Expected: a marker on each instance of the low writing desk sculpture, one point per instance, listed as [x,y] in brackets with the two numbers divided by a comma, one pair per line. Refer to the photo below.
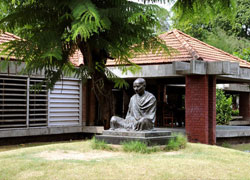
[141,110]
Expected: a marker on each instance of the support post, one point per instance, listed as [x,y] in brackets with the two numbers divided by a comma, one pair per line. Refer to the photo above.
[200,107]
[245,105]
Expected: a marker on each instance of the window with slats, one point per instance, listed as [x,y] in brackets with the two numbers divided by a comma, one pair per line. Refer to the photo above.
[38,106]
[13,101]
[25,102]
[64,107]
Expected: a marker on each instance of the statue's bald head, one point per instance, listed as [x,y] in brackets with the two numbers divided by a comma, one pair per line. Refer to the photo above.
[139,86]
[140,81]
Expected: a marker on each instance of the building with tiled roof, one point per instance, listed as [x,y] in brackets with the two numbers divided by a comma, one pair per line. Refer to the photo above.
[192,72]
[26,111]
[187,49]
[185,82]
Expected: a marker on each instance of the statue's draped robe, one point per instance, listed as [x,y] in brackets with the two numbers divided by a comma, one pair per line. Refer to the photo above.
[140,115]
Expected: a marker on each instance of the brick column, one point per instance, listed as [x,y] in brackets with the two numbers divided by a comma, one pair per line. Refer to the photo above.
[212,110]
[245,105]
[200,107]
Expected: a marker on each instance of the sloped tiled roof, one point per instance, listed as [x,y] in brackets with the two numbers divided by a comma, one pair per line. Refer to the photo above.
[188,48]
[76,59]
[6,37]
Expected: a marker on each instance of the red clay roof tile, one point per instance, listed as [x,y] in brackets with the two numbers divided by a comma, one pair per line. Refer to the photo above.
[188,49]
[6,37]
[76,59]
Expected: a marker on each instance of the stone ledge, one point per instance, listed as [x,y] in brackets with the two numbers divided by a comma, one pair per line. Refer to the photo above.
[137,133]
[148,137]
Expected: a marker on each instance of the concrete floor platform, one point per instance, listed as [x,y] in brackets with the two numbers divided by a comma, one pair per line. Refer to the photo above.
[224,133]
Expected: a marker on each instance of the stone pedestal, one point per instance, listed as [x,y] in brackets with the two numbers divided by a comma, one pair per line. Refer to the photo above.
[148,137]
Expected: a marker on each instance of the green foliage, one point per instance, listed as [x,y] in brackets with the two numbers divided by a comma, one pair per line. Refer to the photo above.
[226,145]
[100,145]
[205,9]
[178,142]
[235,112]
[229,43]
[114,29]
[229,33]
[138,147]
[53,30]
[194,27]
[223,107]
[4,65]
[243,54]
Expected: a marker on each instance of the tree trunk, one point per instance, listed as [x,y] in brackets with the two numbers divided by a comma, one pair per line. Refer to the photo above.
[103,92]
[95,60]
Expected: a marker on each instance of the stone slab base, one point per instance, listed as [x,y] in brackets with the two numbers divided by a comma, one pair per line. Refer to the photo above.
[148,137]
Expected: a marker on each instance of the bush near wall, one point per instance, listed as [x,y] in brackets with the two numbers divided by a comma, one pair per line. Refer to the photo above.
[223,108]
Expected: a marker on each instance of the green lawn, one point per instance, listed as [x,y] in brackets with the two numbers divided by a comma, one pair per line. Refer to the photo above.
[76,160]
[241,147]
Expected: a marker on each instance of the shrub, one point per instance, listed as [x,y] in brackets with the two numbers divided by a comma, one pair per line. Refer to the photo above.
[100,145]
[138,147]
[235,112]
[226,145]
[223,107]
[178,142]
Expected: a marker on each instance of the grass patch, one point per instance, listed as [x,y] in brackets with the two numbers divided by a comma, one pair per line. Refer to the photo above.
[226,145]
[100,145]
[196,161]
[138,147]
[179,142]
[241,147]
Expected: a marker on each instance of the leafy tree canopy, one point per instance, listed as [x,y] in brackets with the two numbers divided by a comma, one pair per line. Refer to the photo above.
[51,31]
[229,33]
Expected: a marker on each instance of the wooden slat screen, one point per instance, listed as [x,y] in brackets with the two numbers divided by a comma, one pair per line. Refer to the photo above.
[38,106]
[64,107]
[13,102]
[21,104]
[25,102]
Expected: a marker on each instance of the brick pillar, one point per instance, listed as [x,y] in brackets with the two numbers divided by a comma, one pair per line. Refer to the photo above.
[245,105]
[212,110]
[200,107]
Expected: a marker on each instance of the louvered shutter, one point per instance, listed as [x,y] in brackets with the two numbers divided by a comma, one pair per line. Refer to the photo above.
[64,103]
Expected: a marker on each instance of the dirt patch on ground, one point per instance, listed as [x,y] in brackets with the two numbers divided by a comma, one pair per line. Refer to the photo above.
[74,155]
[172,153]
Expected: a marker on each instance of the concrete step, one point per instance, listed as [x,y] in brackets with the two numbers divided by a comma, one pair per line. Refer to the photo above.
[156,138]
[239,123]
[136,133]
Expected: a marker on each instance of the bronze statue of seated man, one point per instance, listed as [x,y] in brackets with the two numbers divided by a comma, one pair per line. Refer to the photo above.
[141,110]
